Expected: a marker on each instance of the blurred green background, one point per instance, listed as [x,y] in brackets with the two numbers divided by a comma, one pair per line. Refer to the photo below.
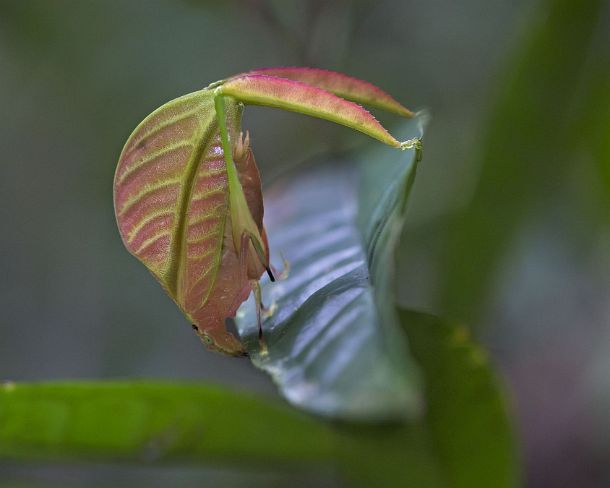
[507,228]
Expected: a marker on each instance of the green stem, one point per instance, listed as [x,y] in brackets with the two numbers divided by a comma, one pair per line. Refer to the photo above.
[219,104]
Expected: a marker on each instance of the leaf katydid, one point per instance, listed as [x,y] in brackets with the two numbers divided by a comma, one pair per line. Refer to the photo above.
[187,191]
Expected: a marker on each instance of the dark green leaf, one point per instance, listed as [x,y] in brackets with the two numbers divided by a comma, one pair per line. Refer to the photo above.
[467,412]
[525,151]
[334,345]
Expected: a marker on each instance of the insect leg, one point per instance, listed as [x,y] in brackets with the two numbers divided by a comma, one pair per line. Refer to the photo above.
[282,275]
[258,298]
[246,239]
[260,252]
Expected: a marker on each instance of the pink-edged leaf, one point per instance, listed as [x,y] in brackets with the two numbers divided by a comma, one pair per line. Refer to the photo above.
[300,97]
[171,203]
[193,214]
[340,84]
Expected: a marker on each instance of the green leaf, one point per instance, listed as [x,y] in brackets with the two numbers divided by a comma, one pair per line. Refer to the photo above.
[527,151]
[333,342]
[467,413]
[464,440]
[187,191]
[592,126]
[154,422]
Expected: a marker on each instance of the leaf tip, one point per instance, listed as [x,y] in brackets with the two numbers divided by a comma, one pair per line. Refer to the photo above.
[415,143]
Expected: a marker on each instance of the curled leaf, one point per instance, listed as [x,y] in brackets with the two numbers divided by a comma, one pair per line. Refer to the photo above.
[172,207]
[188,197]
[334,344]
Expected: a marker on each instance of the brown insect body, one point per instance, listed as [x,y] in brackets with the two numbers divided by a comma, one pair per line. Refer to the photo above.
[238,276]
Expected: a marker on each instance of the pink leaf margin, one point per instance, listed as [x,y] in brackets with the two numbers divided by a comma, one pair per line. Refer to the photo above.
[297,96]
[340,84]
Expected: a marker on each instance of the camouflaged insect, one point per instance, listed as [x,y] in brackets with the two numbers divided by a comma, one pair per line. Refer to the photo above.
[187,191]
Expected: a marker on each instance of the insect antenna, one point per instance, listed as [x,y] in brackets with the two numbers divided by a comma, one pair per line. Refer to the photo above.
[270,274]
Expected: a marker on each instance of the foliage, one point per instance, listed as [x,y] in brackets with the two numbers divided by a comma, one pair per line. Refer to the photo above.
[333,343]
[335,338]
[551,110]
[519,169]
[187,191]
[155,422]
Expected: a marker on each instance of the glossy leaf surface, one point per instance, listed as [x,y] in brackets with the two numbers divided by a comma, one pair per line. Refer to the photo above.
[334,344]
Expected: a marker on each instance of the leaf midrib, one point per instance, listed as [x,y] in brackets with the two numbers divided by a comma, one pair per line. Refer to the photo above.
[178,248]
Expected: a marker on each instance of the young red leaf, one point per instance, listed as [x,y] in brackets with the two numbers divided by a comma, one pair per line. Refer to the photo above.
[342,85]
[300,97]
[172,207]
[188,197]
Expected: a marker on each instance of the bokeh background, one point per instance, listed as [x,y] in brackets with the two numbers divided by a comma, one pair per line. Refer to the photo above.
[507,229]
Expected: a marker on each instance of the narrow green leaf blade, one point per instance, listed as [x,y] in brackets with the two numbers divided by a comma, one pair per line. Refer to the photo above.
[464,441]
[526,152]
[334,344]
[466,409]
[154,422]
